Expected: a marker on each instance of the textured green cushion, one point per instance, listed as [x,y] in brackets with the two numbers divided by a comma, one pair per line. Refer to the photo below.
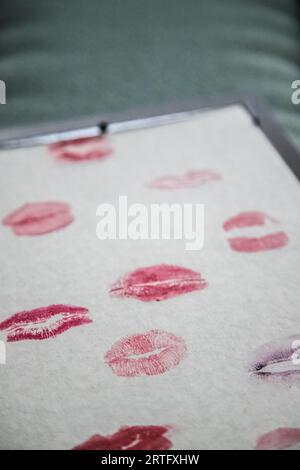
[70,58]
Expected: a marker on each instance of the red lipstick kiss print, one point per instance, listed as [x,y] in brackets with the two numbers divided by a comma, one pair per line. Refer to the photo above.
[279,439]
[38,218]
[130,438]
[151,353]
[78,150]
[191,179]
[44,323]
[254,244]
[159,282]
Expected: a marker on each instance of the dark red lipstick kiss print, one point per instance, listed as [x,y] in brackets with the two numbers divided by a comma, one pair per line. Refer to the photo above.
[270,241]
[151,353]
[279,439]
[130,438]
[43,323]
[159,282]
[79,150]
[39,218]
[191,179]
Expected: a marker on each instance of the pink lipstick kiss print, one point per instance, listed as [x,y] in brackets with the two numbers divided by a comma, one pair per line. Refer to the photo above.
[151,353]
[159,282]
[79,150]
[130,438]
[279,439]
[43,323]
[39,218]
[246,244]
[191,179]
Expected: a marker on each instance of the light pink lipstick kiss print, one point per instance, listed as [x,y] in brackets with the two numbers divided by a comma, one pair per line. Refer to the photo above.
[79,150]
[279,439]
[191,179]
[246,244]
[130,438]
[39,218]
[159,282]
[151,353]
[43,323]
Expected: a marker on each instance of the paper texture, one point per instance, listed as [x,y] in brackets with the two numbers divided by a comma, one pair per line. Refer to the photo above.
[57,393]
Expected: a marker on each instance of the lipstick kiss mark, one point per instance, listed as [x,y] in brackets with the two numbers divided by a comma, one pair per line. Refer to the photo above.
[191,179]
[254,244]
[247,219]
[44,323]
[279,439]
[130,438]
[151,353]
[278,361]
[158,282]
[78,150]
[38,218]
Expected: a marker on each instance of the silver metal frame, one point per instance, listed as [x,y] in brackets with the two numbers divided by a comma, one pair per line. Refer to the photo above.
[97,125]
[133,120]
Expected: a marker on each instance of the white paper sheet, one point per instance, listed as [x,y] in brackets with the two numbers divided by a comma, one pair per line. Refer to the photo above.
[56,393]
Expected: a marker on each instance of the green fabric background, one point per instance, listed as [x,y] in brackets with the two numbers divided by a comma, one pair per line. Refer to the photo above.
[69,58]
